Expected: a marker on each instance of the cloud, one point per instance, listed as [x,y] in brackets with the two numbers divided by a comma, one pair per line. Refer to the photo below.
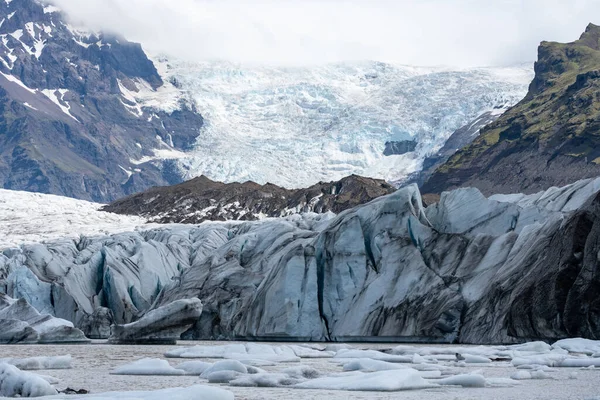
[298,32]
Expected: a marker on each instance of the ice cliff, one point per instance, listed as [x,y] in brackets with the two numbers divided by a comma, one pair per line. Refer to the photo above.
[468,269]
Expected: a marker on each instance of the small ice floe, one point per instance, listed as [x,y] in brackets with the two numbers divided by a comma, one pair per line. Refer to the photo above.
[17,383]
[524,375]
[265,380]
[474,359]
[464,380]
[373,354]
[225,365]
[193,367]
[578,345]
[370,365]
[247,351]
[148,366]
[580,362]
[404,379]
[37,363]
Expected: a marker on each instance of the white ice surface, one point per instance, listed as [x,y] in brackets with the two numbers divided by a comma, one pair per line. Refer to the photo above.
[147,366]
[334,118]
[33,217]
[17,383]
[37,363]
[405,379]
[578,345]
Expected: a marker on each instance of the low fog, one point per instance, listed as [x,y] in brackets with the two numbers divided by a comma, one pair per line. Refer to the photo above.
[460,33]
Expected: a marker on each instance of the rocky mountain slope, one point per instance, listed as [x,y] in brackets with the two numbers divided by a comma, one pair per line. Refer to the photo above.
[69,122]
[201,199]
[551,137]
[468,269]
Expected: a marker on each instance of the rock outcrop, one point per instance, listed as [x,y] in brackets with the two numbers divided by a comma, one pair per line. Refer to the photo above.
[202,199]
[550,138]
[70,120]
[163,325]
[468,269]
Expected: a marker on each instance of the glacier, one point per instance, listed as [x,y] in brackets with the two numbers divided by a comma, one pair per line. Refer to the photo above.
[35,217]
[468,269]
[304,125]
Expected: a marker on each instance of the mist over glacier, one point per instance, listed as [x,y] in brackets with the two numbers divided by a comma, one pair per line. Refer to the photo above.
[463,33]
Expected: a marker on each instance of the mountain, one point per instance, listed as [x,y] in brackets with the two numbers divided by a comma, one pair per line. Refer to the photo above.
[550,138]
[202,199]
[90,115]
[295,126]
[69,124]
[468,269]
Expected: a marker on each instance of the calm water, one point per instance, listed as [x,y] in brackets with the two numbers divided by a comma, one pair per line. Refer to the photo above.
[92,365]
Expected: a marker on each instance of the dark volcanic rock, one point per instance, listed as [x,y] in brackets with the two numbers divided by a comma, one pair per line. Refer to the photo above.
[550,138]
[202,199]
[68,124]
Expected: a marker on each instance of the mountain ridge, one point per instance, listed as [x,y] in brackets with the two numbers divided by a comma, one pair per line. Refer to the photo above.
[550,138]
[67,126]
[202,199]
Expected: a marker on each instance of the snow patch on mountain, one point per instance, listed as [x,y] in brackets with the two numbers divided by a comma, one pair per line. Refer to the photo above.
[297,126]
[33,217]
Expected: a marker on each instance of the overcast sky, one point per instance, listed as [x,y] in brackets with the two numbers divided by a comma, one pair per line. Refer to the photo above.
[294,32]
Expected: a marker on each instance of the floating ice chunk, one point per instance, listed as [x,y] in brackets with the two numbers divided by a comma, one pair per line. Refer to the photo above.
[540,375]
[225,365]
[373,354]
[534,347]
[405,379]
[306,352]
[473,359]
[241,352]
[580,362]
[147,366]
[370,365]
[464,380]
[417,359]
[578,345]
[265,380]
[521,375]
[206,351]
[35,363]
[193,367]
[17,383]
[162,325]
[551,360]
[223,376]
